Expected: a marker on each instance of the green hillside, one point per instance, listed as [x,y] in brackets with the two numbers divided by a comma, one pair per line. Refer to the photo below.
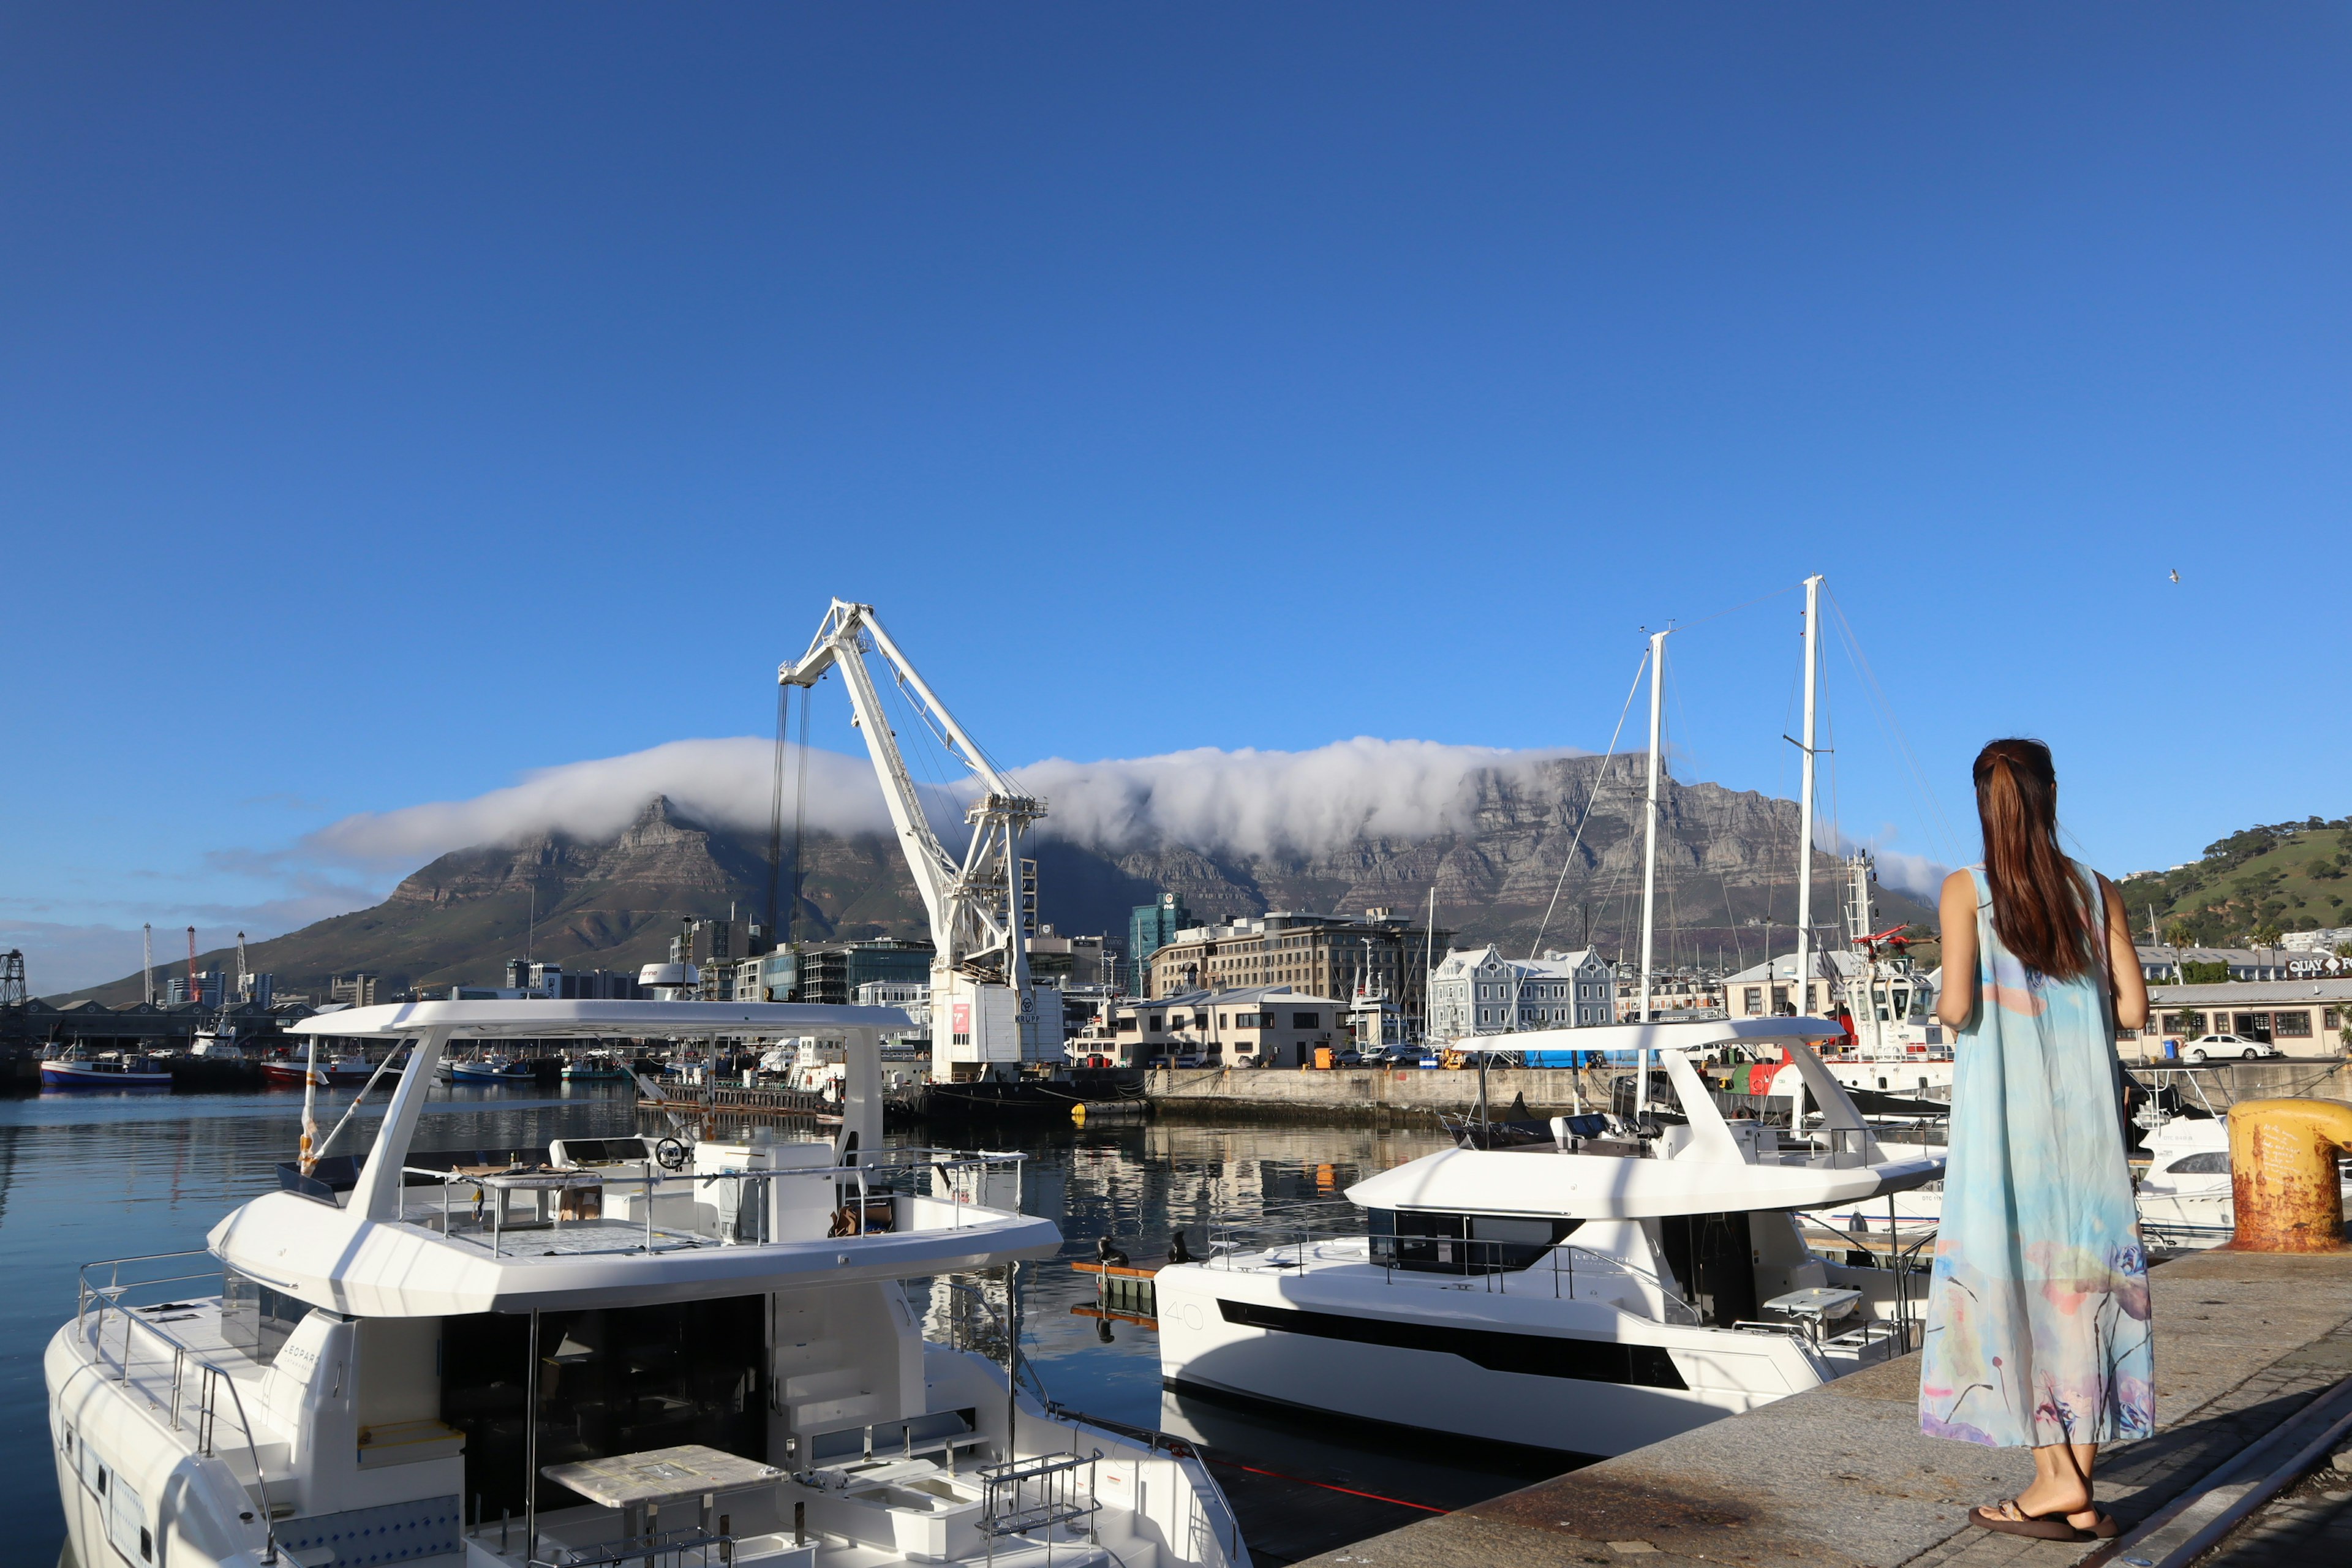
[2250,887]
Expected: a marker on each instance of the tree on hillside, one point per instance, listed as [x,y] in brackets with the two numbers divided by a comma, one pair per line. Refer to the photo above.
[2266,936]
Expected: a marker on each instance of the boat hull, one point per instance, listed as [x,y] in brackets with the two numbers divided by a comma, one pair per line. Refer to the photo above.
[77,1075]
[465,1072]
[1321,1365]
[290,1075]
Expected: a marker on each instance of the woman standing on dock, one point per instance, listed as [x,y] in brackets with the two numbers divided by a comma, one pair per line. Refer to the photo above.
[2038,1332]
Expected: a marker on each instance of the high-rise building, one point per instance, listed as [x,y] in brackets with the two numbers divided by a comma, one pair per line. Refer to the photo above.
[1151,928]
[357,988]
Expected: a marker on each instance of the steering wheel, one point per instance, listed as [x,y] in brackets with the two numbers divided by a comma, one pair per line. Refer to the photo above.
[670,1154]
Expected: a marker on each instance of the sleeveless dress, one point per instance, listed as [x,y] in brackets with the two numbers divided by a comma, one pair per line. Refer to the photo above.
[2038,1328]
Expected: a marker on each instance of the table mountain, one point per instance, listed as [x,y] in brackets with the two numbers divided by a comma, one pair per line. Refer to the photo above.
[1725,869]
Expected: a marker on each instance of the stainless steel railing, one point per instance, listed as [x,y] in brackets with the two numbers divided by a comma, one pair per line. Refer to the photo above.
[964,1175]
[202,1405]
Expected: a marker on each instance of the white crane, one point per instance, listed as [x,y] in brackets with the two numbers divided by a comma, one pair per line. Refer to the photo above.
[983,1009]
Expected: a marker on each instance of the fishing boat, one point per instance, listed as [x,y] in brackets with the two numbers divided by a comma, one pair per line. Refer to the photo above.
[596,1068]
[492,1069]
[75,1070]
[291,1072]
[598,1353]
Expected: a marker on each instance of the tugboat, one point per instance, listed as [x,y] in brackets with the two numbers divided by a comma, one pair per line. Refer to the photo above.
[601,1353]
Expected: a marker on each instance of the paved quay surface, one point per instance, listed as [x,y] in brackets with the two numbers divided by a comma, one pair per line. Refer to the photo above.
[1842,1476]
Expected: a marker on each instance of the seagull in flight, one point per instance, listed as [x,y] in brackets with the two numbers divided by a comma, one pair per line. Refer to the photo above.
[2176,574]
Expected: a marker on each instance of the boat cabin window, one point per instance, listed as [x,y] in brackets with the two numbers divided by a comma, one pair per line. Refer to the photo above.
[1433,1243]
[2210,1162]
[255,1319]
[617,1380]
[1712,1256]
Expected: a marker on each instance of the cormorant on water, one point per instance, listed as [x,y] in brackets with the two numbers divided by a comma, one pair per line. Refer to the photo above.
[1109,1255]
[1176,1251]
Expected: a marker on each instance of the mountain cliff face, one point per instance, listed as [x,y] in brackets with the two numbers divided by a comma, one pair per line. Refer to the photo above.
[1726,867]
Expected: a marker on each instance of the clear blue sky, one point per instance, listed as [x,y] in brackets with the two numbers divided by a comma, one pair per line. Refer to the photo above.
[393,401]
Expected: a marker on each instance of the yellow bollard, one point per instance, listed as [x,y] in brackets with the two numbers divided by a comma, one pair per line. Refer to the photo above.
[2282,1176]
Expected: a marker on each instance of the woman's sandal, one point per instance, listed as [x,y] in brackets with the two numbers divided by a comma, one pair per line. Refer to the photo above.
[2040,1527]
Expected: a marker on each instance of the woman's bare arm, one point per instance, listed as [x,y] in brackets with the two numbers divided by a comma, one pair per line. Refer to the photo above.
[1956,1003]
[2130,983]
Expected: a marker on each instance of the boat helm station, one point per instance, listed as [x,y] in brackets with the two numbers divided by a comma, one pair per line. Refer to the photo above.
[633,1350]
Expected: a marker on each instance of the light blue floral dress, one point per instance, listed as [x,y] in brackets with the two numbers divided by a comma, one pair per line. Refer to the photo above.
[2038,1326]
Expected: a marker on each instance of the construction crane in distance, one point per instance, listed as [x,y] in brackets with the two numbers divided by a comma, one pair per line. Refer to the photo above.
[985,1017]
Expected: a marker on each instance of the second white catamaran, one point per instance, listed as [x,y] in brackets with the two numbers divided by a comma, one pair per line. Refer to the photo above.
[1611,1285]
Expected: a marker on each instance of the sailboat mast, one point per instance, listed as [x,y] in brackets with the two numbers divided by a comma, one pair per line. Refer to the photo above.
[1650,823]
[1803,992]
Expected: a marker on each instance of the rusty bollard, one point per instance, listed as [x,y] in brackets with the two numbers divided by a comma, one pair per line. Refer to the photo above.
[2282,1178]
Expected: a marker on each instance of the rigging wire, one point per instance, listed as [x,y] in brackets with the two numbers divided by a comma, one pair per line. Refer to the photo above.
[1930,804]
[1609,762]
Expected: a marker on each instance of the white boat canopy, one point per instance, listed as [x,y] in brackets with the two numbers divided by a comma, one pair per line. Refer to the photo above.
[538,1018]
[1678,1035]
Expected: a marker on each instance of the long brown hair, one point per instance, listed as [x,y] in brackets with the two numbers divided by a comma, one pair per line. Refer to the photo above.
[2039,908]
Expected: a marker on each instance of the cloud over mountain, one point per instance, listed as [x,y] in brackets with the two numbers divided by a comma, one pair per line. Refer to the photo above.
[1244,802]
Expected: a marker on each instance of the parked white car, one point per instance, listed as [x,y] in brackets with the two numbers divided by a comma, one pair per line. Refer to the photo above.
[2205,1047]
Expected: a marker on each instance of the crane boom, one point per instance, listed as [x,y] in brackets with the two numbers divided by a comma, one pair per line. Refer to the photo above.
[983,1009]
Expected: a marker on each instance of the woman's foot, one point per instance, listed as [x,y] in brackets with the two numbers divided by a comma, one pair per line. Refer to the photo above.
[2066,1495]
[2024,1515]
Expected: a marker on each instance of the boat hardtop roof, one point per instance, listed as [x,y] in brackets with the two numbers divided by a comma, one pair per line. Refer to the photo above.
[534,1017]
[374,1253]
[1713,1167]
[1679,1035]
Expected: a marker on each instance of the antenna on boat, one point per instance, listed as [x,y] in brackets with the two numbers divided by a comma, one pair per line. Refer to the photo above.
[1805,798]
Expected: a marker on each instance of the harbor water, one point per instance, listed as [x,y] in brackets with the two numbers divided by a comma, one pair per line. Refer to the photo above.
[93,1174]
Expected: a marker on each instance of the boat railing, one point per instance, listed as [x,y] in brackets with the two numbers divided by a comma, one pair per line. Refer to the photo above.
[691,1548]
[1493,1267]
[194,1399]
[1044,1492]
[878,1182]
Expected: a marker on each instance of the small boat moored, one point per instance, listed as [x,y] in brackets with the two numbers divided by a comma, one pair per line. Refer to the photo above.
[109,1071]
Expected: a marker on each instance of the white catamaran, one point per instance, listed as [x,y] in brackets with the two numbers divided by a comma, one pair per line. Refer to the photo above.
[1599,1290]
[628,1350]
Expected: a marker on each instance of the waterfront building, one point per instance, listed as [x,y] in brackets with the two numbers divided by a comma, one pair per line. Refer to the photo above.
[2246,964]
[1331,955]
[2302,1020]
[550,981]
[1068,961]
[1150,928]
[1246,1027]
[832,974]
[1480,992]
[1770,990]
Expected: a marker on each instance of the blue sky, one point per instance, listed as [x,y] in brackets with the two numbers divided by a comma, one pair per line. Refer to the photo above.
[394,402]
